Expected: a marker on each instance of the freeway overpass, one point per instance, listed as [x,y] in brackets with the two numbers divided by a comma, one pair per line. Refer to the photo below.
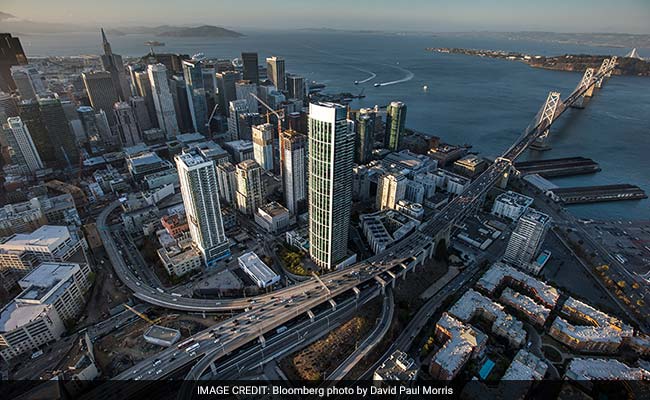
[273,310]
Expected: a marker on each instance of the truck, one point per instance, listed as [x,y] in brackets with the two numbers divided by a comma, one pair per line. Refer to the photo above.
[281,330]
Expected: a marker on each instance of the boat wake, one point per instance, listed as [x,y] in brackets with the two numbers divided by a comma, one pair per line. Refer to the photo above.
[368,79]
[408,77]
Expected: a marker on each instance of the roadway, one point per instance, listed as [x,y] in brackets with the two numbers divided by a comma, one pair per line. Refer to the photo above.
[272,310]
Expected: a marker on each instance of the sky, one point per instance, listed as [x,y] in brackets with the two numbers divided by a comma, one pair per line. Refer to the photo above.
[624,16]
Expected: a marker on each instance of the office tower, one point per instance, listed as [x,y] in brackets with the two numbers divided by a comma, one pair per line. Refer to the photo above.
[390,189]
[133,69]
[395,121]
[196,94]
[331,155]
[276,73]
[11,53]
[224,64]
[227,177]
[263,146]
[236,108]
[58,131]
[101,92]
[24,149]
[246,123]
[249,187]
[163,100]
[178,88]
[173,62]
[297,121]
[30,114]
[296,87]
[294,162]
[126,125]
[209,80]
[113,65]
[227,91]
[28,81]
[365,127]
[88,118]
[247,90]
[198,179]
[527,238]
[251,68]
[8,105]
[140,112]
[144,90]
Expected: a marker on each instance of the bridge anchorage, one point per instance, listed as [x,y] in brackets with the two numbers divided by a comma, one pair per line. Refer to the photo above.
[546,118]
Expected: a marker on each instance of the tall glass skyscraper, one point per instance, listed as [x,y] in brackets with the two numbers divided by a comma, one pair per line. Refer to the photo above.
[199,188]
[331,156]
[294,148]
[193,75]
[395,121]
[163,100]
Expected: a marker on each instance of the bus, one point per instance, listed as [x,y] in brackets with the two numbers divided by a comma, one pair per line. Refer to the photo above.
[185,343]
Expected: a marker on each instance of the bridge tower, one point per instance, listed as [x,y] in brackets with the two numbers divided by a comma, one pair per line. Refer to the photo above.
[545,120]
[503,181]
[602,71]
[612,64]
[585,88]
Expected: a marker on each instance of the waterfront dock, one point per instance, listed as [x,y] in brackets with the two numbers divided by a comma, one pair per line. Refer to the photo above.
[558,167]
[596,194]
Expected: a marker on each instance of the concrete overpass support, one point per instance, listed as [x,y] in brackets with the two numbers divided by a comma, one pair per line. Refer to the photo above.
[356,291]
[333,303]
[382,283]
[311,315]
[405,269]
[262,341]
[213,369]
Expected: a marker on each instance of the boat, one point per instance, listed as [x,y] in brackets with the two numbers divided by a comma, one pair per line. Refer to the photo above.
[377,84]
[425,88]
[356,82]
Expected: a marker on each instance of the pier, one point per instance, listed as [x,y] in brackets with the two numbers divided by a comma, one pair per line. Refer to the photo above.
[596,194]
[558,167]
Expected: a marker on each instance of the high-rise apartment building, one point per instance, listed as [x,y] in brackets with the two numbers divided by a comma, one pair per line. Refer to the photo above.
[294,166]
[236,108]
[249,187]
[193,74]
[115,67]
[163,101]
[390,190]
[331,156]
[101,92]
[126,125]
[365,127]
[24,150]
[227,177]
[276,73]
[251,69]
[395,123]
[11,53]
[263,145]
[527,238]
[199,188]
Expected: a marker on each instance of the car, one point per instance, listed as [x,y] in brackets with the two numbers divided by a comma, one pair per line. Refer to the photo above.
[159,372]
[156,362]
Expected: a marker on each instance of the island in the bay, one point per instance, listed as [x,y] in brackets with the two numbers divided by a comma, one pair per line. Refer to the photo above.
[209,31]
[633,65]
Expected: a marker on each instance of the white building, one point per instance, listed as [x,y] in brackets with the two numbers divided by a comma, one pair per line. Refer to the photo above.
[261,274]
[511,205]
[53,294]
[227,179]
[246,90]
[331,156]
[249,194]
[235,109]
[294,161]
[390,190]
[273,217]
[23,148]
[263,145]
[163,100]
[527,238]
[199,189]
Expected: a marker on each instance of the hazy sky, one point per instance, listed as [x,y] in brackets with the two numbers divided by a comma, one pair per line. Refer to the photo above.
[632,16]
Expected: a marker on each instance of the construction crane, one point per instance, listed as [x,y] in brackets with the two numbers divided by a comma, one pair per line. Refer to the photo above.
[141,315]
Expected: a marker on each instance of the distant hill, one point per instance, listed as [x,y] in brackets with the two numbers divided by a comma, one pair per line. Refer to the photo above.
[201,31]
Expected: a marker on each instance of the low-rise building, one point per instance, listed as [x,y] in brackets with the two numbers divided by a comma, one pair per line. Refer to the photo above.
[21,217]
[145,163]
[525,367]
[53,294]
[470,166]
[298,238]
[260,273]
[535,312]
[176,225]
[180,257]
[273,217]
[161,336]
[474,304]
[413,210]
[461,342]
[501,274]
[383,228]
[600,332]
[590,369]
[511,205]
[398,367]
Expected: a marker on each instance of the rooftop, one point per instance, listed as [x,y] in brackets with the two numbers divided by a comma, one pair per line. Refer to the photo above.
[525,367]
[603,369]
[47,237]
[463,339]
[499,273]
[397,367]
[514,199]
[274,209]
[256,266]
